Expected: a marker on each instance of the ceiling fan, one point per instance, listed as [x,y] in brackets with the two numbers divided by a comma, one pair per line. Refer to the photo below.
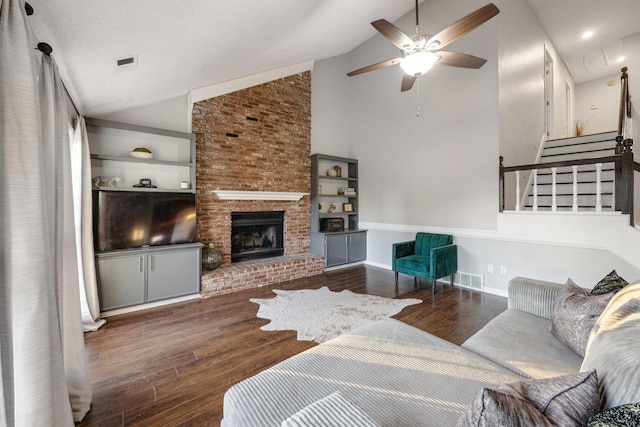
[421,51]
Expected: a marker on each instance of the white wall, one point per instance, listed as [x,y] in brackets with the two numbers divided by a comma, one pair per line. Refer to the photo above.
[598,103]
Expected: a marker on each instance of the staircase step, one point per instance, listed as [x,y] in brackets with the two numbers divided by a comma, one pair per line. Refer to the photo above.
[574,155]
[581,147]
[611,135]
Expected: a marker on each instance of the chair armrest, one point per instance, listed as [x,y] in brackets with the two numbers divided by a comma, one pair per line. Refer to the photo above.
[533,296]
[444,260]
[402,249]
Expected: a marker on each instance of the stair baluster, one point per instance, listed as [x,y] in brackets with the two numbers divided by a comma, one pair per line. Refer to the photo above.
[517,190]
[535,190]
[598,187]
[574,207]
[554,201]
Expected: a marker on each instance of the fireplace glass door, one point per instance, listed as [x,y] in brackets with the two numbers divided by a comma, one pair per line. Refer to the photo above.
[256,235]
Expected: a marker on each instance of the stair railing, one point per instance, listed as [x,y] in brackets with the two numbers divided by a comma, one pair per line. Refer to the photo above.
[624,167]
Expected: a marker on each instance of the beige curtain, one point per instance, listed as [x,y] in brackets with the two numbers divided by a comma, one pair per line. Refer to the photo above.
[44,376]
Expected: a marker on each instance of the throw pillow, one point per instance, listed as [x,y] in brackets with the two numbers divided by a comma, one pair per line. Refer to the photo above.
[614,347]
[568,400]
[620,416]
[574,314]
[333,410]
[612,282]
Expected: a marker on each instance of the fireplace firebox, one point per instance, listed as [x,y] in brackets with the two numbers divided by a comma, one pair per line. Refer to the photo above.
[256,235]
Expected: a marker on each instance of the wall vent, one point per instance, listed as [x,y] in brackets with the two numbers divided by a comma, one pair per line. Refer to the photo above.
[127,63]
[468,280]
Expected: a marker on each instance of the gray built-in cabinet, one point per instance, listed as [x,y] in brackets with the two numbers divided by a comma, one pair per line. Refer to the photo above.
[350,244]
[129,277]
[136,276]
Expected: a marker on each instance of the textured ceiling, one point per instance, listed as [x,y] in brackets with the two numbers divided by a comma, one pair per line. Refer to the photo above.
[180,46]
[183,45]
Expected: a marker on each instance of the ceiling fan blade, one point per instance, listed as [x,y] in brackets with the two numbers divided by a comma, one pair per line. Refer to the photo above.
[407,82]
[373,67]
[393,33]
[464,26]
[460,60]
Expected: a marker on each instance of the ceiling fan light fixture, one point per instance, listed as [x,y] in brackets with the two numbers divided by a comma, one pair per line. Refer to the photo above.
[418,63]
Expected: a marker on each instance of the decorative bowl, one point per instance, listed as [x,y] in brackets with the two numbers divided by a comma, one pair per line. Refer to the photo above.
[141,153]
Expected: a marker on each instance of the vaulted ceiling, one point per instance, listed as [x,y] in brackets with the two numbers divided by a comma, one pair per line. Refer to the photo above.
[179,46]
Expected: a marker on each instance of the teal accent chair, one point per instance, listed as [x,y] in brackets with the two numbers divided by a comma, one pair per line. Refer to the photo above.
[429,256]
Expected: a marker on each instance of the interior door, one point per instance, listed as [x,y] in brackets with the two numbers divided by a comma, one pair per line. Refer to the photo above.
[548,93]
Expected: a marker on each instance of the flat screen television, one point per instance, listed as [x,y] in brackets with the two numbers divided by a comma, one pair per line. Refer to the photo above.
[130,219]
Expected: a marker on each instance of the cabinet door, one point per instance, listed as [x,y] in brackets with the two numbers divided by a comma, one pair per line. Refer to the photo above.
[172,274]
[335,250]
[120,281]
[357,244]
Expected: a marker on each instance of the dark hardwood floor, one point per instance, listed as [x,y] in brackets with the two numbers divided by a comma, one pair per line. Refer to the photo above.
[171,366]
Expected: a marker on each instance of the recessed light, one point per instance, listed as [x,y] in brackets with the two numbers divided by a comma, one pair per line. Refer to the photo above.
[587,34]
[620,59]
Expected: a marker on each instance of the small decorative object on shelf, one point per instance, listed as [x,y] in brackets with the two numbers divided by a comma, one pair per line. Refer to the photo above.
[332,172]
[141,153]
[338,170]
[211,257]
[347,207]
[144,183]
[333,207]
[105,181]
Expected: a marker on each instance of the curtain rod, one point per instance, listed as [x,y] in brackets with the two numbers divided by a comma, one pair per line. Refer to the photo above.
[48,50]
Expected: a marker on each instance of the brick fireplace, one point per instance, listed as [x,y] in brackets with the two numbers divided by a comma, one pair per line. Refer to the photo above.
[255,140]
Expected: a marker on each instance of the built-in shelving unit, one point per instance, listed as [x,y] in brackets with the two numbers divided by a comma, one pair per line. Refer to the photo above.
[173,156]
[134,276]
[346,245]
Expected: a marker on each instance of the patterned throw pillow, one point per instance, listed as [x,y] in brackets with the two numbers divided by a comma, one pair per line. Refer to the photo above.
[574,314]
[568,400]
[612,282]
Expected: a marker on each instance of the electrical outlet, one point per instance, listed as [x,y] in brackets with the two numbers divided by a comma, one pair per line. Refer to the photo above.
[503,270]
[490,268]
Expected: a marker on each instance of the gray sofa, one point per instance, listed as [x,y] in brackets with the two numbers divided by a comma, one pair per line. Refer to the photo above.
[401,376]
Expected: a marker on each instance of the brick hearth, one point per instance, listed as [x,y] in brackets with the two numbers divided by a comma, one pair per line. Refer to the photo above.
[257,139]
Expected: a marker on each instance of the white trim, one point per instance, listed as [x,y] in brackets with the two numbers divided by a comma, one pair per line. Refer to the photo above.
[149,305]
[494,234]
[378,264]
[258,195]
[495,291]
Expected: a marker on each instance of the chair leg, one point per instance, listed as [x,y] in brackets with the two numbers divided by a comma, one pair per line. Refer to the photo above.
[415,282]
[452,280]
[433,286]
[396,279]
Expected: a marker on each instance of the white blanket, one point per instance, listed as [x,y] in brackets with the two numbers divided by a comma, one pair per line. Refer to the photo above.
[397,374]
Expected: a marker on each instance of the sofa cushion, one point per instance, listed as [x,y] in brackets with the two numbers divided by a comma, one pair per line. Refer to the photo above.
[574,314]
[612,282]
[333,410]
[613,349]
[568,400]
[523,343]
[414,262]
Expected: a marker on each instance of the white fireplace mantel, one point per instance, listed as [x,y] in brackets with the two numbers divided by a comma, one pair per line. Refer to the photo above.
[258,195]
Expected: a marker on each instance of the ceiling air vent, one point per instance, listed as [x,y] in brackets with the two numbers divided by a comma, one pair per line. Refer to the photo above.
[127,63]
